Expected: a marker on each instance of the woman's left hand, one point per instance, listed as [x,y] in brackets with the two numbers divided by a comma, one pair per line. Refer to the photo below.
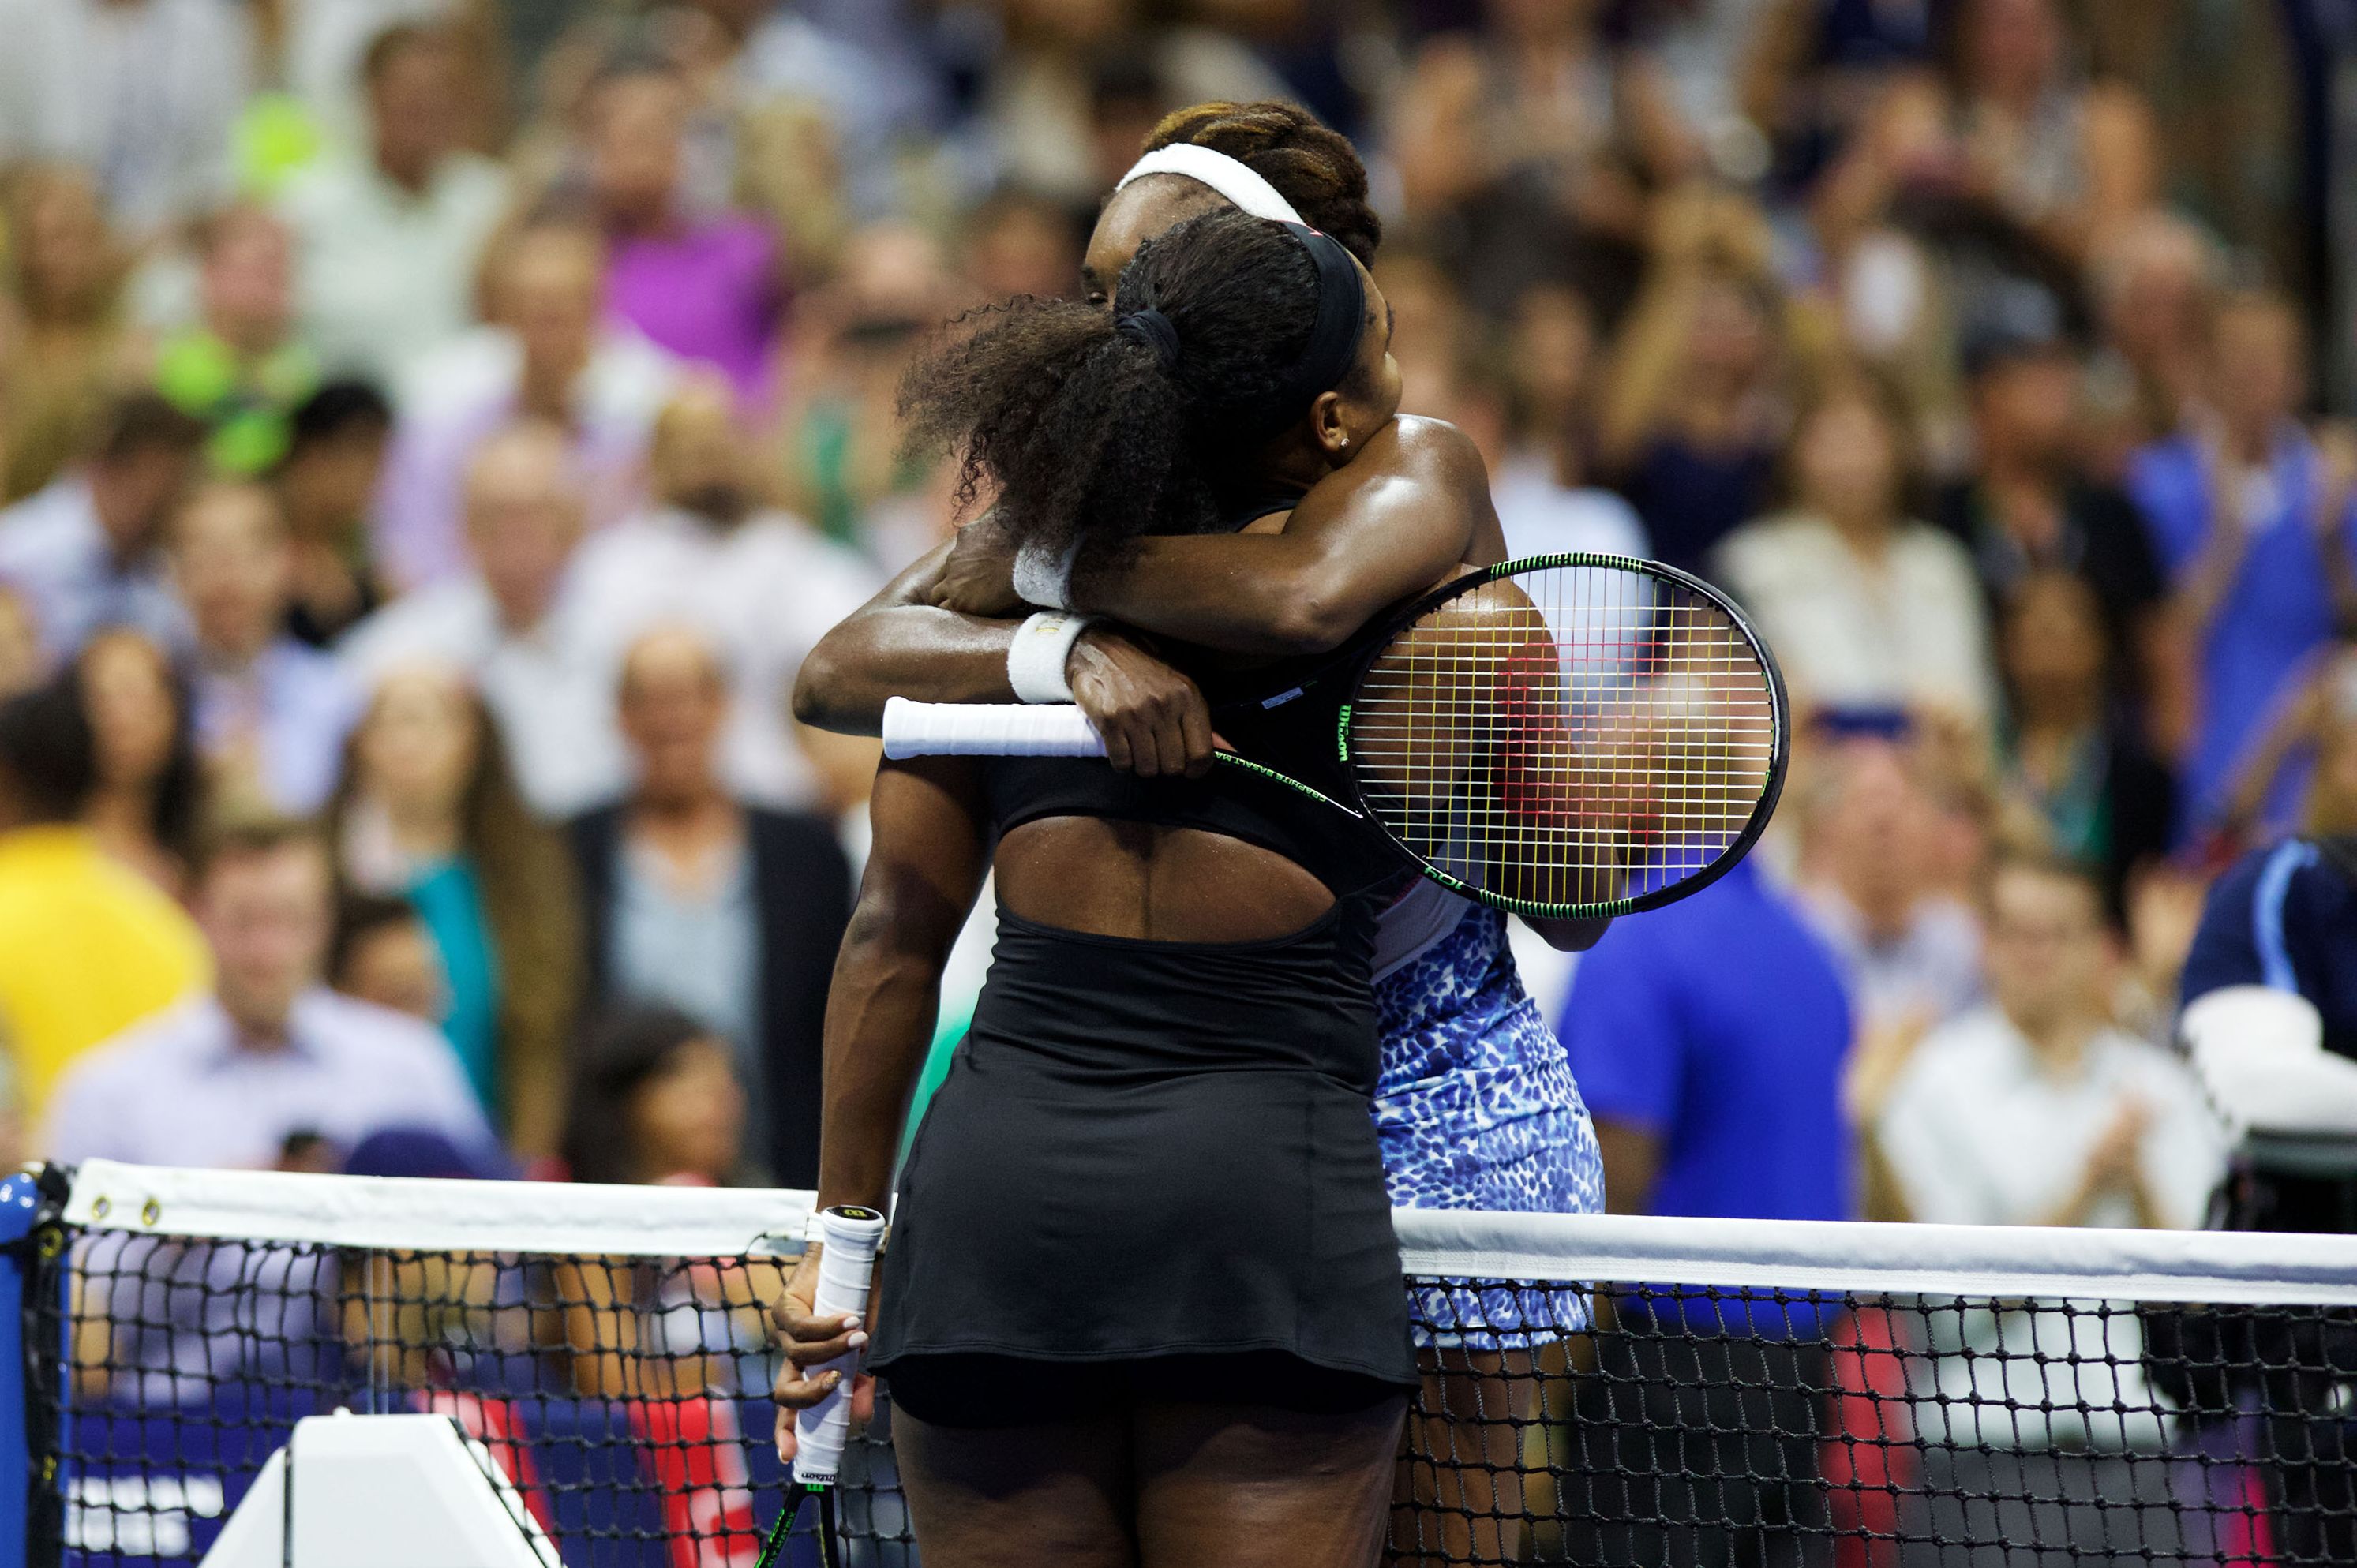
[978,577]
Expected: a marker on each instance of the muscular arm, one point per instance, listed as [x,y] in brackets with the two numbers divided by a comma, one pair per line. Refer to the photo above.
[898,644]
[922,875]
[1412,506]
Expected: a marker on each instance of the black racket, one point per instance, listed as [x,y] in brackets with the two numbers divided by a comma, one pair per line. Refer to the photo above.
[1563,737]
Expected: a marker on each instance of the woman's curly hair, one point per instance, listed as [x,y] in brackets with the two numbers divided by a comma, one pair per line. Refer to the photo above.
[1081,431]
[1313,167]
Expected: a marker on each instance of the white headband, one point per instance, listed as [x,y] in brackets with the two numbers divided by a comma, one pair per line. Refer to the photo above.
[1228,177]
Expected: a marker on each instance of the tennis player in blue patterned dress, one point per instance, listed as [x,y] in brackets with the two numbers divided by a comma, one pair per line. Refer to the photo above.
[1476,1107]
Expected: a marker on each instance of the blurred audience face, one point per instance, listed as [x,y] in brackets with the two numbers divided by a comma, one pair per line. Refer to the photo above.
[1873,827]
[2045,949]
[1846,460]
[688,1118]
[1528,23]
[396,965]
[247,282]
[327,486]
[418,748]
[20,644]
[2257,370]
[2153,282]
[524,510]
[674,701]
[1729,341]
[1552,350]
[68,263]
[700,460]
[2027,408]
[2052,649]
[1019,245]
[415,107]
[126,686]
[2331,804]
[548,288]
[636,123]
[2011,49]
[231,560]
[134,492]
[267,914]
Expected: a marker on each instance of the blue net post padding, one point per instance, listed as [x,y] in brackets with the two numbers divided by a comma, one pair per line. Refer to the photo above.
[20,1208]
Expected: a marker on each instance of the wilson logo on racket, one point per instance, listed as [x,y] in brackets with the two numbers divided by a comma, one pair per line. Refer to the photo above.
[1563,737]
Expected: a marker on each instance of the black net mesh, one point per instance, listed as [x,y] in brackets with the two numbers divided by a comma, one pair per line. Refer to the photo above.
[1715,1427]
[626,1398]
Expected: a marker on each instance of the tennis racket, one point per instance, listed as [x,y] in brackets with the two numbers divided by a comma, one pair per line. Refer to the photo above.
[1563,737]
[850,1235]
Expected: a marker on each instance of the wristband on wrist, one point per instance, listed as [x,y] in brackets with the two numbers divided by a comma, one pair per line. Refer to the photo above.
[1044,576]
[1036,659]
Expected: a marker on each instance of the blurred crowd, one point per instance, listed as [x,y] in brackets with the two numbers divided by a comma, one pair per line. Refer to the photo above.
[433,432]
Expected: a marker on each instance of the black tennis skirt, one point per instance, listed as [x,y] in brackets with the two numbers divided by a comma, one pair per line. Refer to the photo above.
[1149,1152]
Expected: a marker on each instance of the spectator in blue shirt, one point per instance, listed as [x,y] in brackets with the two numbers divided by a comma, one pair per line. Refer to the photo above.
[2258,553]
[2285,917]
[1708,1038]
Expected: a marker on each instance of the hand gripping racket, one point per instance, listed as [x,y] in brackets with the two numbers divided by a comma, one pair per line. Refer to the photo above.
[846,1262]
[1563,737]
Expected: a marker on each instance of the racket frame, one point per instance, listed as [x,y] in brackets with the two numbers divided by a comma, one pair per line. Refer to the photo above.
[1362,658]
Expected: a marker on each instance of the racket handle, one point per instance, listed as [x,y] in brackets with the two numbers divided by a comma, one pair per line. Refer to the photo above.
[848,1259]
[987,729]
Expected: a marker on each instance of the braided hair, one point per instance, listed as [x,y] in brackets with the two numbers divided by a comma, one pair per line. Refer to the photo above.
[1312,166]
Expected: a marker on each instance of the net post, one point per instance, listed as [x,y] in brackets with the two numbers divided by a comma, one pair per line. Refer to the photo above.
[20,1212]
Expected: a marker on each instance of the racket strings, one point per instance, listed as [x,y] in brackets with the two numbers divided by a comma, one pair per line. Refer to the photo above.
[1569,737]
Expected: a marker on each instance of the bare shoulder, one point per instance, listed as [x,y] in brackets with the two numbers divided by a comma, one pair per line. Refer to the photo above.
[1422,446]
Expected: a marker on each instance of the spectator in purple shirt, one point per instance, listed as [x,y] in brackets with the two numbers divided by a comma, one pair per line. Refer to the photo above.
[706,287]
[225,1080]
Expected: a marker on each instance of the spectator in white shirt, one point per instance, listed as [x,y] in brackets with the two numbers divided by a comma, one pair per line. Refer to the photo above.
[271,713]
[762,585]
[551,353]
[86,552]
[143,93]
[1865,606]
[2037,1110]
[225,1080]
[513,624]
[389,235]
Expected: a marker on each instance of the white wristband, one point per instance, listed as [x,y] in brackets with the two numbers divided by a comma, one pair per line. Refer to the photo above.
[1044,576]
[1036,659]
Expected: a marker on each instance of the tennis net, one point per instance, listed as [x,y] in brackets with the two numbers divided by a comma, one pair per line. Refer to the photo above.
[1599,1391]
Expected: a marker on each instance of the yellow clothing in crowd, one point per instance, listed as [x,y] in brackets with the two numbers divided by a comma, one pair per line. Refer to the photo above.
[88,947]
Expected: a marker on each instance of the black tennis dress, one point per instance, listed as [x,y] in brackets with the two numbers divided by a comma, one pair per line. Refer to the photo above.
[1150,1171]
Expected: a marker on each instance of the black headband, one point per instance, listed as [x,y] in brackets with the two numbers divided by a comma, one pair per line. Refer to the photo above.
[1333,345]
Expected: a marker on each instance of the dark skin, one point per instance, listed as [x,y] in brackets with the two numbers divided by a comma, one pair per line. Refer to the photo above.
[1213,1479]
[1410,508]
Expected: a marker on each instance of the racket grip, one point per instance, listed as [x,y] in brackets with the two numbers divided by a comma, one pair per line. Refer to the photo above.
[844,1265]
[987,729]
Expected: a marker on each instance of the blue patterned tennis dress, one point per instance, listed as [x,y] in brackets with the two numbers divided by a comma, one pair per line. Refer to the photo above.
[1476,1108]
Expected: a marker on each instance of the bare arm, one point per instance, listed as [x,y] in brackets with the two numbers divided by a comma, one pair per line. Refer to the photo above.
[1633,1159]
[1153,718]
[926,867]
[1409,508]
[923,872]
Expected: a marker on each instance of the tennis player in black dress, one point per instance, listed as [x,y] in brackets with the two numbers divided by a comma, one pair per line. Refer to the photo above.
[1142,1302]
